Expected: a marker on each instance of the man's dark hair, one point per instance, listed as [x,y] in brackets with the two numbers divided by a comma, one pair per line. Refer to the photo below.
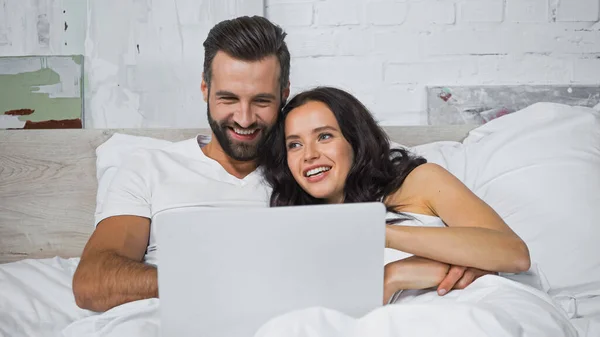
[249,39]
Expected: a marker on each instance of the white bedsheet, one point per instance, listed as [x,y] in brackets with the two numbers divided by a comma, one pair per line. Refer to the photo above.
[36,300]
[36,297]
[582,305]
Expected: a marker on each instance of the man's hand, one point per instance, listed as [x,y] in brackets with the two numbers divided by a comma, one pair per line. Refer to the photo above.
[459,277]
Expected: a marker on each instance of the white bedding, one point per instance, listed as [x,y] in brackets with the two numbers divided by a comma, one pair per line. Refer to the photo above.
[36,297]
[582,305]
[36,300]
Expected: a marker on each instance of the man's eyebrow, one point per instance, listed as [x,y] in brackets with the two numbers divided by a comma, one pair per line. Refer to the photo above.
[265,96]
[225,93]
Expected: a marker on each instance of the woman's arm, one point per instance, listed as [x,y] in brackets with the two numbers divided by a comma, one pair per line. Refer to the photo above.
[413,273]
[417,272]
[476,236]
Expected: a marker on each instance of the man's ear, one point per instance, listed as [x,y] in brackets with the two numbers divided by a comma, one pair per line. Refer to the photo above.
[286,92]
[204,88]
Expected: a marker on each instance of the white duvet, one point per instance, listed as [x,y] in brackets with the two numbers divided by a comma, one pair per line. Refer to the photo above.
[36,300]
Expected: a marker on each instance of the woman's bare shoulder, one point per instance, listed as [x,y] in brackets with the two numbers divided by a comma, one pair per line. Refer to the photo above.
[412,196]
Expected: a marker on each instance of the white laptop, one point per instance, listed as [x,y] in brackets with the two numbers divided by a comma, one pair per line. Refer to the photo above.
[228,271]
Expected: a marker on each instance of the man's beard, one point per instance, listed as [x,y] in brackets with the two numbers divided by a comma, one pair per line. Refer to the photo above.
[238,150]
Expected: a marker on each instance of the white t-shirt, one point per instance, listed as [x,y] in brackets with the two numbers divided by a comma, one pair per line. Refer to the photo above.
[178,175]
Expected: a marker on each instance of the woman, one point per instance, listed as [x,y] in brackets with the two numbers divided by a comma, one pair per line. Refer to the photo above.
[327,148]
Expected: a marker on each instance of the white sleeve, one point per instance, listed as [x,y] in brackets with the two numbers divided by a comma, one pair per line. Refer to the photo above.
[128,192]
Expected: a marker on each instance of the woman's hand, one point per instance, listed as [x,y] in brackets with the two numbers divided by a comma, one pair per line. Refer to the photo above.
[459,277]
[421,273]
[412,273]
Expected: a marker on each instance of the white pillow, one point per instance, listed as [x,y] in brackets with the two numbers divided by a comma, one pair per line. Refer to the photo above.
[111,154]
[539,168]
[448,154]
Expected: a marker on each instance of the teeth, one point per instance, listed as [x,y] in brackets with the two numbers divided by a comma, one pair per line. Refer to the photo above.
[244,132]
[317,170]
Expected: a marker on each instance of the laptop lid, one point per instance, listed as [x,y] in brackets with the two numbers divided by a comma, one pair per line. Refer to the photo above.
[226,272]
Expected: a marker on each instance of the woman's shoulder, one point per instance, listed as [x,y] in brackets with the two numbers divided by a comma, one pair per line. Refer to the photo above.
[417,188]
[426,174]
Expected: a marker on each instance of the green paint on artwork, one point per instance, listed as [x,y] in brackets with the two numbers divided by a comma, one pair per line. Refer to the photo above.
[20,91]
[78,59]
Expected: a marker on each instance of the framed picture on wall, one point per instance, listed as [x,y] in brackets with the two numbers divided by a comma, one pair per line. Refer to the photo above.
[41,92]
[478,105]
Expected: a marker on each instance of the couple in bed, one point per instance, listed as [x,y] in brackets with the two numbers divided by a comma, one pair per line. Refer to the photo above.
[323,146]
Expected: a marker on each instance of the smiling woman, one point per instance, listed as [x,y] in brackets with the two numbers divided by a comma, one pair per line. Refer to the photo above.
[329,128]
[327,148]
[318,151]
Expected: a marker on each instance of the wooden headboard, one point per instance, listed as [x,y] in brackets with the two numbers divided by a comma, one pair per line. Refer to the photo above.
[48,183]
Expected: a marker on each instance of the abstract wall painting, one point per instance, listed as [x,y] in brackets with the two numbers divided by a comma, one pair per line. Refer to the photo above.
[477,105]
[41,92]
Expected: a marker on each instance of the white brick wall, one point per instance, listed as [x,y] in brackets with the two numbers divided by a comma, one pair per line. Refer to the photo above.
[384,51]
[587,70]
[527,11]
[577,10]
[432,12]
[482,11]
[300,14]
[338,12]
[23,29]
[386,13]
[159,85]
[387,51]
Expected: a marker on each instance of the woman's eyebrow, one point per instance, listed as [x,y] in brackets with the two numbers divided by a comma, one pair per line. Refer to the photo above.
[315,130]
[324,128]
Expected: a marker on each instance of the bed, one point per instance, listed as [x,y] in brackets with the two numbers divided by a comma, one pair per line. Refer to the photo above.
[538,167]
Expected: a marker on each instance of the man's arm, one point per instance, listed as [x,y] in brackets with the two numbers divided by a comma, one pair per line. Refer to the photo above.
[111,271]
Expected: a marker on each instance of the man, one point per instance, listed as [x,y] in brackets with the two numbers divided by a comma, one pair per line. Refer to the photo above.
[245,83]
